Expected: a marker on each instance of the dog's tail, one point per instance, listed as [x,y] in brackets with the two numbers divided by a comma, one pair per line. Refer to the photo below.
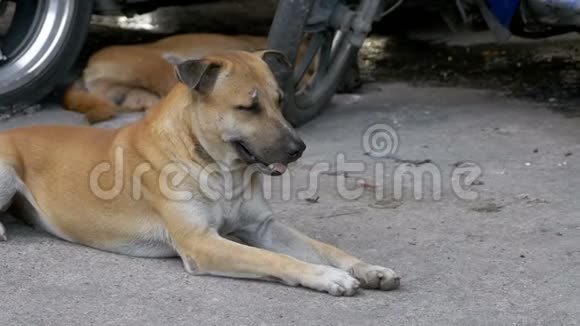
[96,109]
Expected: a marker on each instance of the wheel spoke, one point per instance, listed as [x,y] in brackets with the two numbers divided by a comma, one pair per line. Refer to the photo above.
[306,60]
[3,57]
[337,41]
[324,60]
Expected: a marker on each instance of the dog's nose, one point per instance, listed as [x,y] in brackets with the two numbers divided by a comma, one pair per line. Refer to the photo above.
[295,149]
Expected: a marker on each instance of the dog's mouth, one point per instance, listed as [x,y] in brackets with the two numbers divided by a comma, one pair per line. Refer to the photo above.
[249,157]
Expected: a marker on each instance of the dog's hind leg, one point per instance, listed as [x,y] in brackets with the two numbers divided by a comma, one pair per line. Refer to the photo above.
[95,108]
[8,188]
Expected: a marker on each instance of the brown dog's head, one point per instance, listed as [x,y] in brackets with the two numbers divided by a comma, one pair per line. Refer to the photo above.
[237,110]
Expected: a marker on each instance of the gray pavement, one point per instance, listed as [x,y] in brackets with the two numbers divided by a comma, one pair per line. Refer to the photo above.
[510,257]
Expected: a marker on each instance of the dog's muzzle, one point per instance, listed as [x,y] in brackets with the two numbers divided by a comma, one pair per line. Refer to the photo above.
[276,166]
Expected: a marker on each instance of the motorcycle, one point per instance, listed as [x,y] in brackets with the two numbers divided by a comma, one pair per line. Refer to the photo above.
[43,38]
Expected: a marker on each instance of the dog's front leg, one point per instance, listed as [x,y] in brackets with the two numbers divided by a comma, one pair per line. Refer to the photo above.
[206,252]
[275,236]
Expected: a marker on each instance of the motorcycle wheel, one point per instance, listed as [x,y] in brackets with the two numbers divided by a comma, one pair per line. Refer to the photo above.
[329,54]
[40,46]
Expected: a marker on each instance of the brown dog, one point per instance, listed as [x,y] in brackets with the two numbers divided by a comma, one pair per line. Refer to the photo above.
[135,77]
[176,182]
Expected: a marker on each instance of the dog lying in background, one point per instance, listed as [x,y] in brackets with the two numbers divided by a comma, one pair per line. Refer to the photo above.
[135,77]
[125,78]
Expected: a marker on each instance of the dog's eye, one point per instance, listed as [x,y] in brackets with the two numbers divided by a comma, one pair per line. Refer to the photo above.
[252,108]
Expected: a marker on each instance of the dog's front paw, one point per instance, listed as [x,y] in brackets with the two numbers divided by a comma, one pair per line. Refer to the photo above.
[376,277]
[333,281]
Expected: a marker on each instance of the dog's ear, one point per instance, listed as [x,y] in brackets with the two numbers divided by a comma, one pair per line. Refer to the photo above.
[278,63]
[276,57]
[200,75]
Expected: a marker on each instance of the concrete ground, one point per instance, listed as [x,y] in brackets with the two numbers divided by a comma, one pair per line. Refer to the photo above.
[509,257]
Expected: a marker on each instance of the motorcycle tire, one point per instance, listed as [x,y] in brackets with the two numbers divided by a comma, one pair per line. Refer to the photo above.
[40,47]
[304,101]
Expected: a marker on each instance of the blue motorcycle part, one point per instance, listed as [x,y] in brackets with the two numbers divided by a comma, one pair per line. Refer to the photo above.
[503,10]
